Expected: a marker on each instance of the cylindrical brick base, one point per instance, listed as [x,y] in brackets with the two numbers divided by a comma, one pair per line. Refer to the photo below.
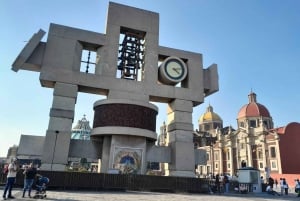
[120,114]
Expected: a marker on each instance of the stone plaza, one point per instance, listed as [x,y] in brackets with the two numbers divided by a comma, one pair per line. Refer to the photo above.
[147,196]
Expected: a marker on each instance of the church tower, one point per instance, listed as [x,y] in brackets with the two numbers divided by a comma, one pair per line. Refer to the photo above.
[210,124]
[256,145]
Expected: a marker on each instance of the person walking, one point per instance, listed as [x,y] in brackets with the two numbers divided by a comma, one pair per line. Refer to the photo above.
[29,175]
[11,178]
[297,187]
[217,183]
[276,183]
[281,186]
[271,182]
[285,186]
[226,183]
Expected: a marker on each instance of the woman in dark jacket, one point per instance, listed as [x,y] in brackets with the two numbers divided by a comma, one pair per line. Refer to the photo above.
[29,175]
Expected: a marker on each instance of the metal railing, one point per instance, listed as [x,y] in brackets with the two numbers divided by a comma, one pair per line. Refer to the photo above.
[96,181]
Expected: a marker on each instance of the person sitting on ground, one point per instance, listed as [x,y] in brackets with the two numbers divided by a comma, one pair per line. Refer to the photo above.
[270,190]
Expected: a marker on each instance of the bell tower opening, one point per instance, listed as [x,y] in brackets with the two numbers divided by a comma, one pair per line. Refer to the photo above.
[131,54]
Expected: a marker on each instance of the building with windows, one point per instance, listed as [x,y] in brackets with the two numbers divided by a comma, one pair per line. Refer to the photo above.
[206,137]
[255,142]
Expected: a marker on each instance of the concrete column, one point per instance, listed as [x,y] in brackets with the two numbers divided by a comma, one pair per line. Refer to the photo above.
[105,154]
[180,131]
[58,135]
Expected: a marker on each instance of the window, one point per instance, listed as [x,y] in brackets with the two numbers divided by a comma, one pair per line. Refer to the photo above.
[201,169]
[88,61]
[206,127]
[228,165]
[207,169]
[261,165]
[259,154]
[273,165]
[216,165]
[228,154]
[273,152]
[266,124]
[207,156]
[217,125]
[242,124]
[253,123]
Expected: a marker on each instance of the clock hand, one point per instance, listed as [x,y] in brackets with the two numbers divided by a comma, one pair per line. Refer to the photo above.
[176,70]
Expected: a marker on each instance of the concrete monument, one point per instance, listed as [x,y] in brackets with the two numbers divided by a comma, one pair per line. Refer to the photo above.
[123,65]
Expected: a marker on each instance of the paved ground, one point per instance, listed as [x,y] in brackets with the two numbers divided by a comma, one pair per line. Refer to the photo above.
[149,196]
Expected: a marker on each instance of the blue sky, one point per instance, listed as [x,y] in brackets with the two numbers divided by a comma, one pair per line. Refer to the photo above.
[255,43]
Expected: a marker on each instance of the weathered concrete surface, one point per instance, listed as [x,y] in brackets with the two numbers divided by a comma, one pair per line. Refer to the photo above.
[150,196]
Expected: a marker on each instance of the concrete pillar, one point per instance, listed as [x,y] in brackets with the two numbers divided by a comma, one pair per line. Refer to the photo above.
[180,132]
[58,135]
[105,154]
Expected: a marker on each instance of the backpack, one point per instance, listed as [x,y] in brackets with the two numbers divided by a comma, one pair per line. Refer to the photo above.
[5,169]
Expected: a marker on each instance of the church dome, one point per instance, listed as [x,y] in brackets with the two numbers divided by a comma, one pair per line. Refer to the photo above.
[209,115]
[253,109]
[82,130]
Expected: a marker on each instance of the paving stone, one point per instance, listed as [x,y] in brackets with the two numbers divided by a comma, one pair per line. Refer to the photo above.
[150,196]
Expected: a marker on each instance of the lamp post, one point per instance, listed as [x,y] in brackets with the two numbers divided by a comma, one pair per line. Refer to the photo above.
[54,148]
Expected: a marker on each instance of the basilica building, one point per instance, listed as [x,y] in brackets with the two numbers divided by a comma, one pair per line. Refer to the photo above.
[255,142]
[228,149]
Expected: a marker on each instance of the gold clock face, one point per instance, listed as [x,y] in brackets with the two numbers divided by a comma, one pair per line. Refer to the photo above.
[174,69]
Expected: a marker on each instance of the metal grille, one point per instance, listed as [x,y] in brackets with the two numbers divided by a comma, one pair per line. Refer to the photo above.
[131,56]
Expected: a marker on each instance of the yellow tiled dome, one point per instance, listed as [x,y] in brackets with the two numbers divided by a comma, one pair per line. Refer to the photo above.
[209,115]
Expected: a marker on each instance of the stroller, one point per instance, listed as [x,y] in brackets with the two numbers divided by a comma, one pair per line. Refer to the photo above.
[212,188]
[41,186]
